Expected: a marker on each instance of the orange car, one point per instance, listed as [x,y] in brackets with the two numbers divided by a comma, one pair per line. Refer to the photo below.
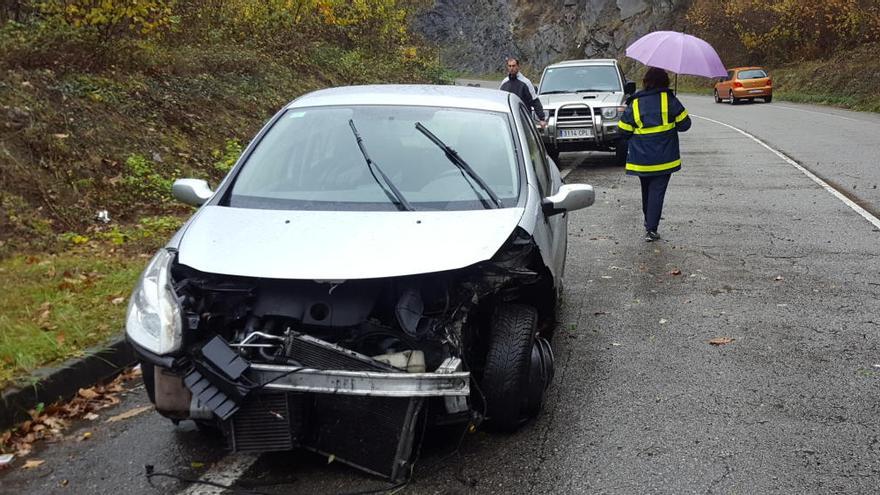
[744,83]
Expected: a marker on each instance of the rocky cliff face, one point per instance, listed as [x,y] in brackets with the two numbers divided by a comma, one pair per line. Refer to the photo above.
[478,35]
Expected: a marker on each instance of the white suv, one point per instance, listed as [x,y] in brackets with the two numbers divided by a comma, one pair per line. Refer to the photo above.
[584,100]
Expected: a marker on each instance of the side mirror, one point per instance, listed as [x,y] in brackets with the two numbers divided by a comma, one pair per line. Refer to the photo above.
[629,88]
[191,191]
[569,198]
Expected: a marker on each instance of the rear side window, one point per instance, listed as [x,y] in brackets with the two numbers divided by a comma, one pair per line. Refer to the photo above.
[752,74]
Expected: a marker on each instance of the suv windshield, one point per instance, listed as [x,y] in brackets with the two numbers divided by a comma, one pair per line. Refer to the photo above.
[310,160]
[751,74]
[581,78]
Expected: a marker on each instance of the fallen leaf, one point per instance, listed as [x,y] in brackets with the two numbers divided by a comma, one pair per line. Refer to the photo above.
[85,436]
[599,313]
[65,482]
[117,300]
[675,272]
[33,463]
[6,460]
[88,393]
[91,416]
[605,276]
[663,321]
[331,458]
[779,278]
[61,136]
[129,414]
[197,464]
[721,341]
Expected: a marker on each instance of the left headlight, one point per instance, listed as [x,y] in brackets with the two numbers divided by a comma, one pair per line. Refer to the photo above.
[611,113]
[153,319]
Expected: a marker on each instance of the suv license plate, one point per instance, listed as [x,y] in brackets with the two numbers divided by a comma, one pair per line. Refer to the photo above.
[575,133]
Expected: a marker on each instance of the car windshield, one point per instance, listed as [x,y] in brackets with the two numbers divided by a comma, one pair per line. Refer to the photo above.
[752,74]
[582,78]
[310,160]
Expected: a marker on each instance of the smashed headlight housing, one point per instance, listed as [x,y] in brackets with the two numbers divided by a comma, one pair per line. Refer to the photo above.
[154,317]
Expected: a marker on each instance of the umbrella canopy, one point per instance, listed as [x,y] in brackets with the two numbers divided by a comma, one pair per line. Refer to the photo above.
[677,52]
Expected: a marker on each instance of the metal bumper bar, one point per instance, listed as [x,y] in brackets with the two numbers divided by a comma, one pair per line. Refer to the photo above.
[362,383]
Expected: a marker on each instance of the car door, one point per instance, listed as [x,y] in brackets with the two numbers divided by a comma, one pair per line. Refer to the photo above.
[551,233]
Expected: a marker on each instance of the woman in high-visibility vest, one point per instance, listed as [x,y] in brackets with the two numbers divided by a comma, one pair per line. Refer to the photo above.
[652,121]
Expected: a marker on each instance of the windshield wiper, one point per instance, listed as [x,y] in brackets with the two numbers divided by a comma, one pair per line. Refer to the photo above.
[589,90]
[462,165]
[394,194]
[555,92]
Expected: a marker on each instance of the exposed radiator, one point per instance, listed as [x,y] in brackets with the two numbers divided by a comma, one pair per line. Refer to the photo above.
[267,423]
[375,434]
[317,354]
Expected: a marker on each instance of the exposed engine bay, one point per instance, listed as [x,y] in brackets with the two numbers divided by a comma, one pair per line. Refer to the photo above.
[353,369]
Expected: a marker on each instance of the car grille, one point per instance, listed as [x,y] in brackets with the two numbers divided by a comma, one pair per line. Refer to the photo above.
[575,117]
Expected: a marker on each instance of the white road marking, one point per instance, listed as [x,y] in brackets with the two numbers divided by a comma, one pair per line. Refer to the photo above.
[824,114]
[226,472]
[837,194]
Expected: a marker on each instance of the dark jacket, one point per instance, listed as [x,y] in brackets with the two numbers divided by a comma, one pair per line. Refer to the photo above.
[522,87]
[652,121]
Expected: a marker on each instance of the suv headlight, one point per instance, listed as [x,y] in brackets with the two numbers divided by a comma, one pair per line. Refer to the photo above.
[611,113]
[153,319]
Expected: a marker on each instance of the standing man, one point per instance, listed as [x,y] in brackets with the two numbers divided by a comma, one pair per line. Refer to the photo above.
[520,85]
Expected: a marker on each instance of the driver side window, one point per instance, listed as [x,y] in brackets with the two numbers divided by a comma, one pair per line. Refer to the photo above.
[536,153]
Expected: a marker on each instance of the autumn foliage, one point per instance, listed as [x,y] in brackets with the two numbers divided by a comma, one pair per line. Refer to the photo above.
[779,31]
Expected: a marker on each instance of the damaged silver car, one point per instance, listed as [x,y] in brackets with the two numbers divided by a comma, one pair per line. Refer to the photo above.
[381,259]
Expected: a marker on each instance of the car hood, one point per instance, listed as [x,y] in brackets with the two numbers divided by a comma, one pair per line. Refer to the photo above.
[341,245]
[604,99]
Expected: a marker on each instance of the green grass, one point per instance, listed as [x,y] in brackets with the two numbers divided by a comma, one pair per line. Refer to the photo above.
[55,306]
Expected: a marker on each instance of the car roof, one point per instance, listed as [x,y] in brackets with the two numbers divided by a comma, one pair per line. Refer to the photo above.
[586,61]
[746,68]
[409,95]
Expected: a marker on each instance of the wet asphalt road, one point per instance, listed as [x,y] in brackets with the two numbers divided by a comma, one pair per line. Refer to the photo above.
[641,401]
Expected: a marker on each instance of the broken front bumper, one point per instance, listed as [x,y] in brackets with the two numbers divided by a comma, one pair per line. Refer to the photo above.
[446,382]
[364,418]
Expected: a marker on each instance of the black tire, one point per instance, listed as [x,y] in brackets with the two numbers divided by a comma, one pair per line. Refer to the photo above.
[732,99]
[513,329]
[717,98]
[768,99]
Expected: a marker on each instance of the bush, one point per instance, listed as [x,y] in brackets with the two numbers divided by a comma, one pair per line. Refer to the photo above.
[110,19]
[778,31]
[143,183]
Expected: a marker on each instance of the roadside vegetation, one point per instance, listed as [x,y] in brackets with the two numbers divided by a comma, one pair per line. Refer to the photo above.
[817,51]
[105,103]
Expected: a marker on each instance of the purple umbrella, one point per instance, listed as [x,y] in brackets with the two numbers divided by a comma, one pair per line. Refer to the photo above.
[677,52]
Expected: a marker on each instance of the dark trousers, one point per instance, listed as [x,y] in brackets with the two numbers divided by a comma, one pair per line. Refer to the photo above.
[653,192]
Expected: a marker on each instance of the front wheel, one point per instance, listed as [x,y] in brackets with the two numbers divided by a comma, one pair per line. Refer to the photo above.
[519,367]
